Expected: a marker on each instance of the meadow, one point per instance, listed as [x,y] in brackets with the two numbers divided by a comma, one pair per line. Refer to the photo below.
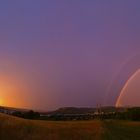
[20,129]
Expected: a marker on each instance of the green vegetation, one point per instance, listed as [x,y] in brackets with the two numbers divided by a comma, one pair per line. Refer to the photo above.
[20,129]
[121,130]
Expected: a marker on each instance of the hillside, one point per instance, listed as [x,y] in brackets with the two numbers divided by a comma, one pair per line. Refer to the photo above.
[84,110]
[73,110]
[20,129]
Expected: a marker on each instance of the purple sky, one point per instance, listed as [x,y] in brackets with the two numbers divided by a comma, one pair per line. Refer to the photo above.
[56,53]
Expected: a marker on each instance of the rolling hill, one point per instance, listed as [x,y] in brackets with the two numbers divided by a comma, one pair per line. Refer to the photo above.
[20,129]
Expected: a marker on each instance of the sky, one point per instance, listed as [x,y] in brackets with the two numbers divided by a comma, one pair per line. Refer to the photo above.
[58,53]
[132,86]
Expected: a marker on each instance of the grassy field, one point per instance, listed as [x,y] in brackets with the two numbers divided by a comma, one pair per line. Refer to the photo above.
[19,129]
[121,130]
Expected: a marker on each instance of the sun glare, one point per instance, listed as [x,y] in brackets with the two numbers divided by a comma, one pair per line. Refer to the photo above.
[1,102]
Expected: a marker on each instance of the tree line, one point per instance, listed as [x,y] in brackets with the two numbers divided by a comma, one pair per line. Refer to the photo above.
[128,114]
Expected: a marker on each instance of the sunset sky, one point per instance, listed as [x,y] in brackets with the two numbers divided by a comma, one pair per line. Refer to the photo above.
[130,94]
[57,53]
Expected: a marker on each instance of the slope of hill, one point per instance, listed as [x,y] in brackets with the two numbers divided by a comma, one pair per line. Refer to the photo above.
[84,110]
[20,129]
[9,110]
[73,110]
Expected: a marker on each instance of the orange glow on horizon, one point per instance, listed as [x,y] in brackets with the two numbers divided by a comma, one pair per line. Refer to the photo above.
[9,92]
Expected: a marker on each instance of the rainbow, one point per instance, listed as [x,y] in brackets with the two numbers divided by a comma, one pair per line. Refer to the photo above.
[127,66]
[118,102]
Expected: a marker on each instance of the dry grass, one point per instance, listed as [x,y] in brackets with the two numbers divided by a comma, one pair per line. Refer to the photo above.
[20,129]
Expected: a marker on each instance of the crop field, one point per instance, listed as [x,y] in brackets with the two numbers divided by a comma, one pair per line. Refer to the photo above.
[20,129]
